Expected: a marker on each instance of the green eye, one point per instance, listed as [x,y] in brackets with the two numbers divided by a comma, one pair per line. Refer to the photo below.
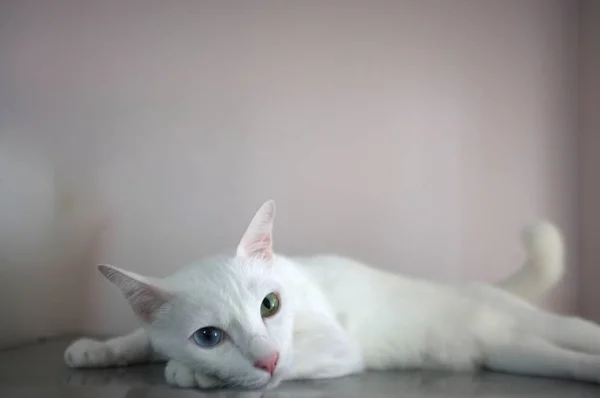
[269,305]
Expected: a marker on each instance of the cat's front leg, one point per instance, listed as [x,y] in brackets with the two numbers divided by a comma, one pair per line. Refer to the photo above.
[130,349]
[179,375]
[324,350]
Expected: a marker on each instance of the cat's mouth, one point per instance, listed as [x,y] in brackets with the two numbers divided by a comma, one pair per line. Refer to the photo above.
[265,382]
[274,381]
[268,383]
[271,381]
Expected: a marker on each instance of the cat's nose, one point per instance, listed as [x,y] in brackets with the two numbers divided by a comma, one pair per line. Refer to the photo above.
[267,363]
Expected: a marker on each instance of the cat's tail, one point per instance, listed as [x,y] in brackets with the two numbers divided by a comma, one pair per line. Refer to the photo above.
[544,265]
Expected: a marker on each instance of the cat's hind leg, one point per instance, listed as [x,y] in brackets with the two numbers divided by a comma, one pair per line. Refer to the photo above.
[565,331]
[569,332]
[133,348]
[534,356]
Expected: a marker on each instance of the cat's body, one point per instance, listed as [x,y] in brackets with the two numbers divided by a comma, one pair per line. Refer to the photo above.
[263,318]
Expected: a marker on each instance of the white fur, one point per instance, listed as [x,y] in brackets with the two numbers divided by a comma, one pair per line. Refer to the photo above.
[339,317]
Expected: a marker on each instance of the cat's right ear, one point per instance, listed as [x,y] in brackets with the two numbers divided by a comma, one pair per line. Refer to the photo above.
[143,296]
[257,241]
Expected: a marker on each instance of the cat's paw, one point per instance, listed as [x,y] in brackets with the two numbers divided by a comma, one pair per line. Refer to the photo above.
[177,374]
[87,353]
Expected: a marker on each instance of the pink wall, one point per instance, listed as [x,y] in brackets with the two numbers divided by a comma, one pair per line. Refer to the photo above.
[590,160]
[417,135]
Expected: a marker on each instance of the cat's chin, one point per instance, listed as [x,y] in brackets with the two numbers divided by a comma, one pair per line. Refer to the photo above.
[268,383]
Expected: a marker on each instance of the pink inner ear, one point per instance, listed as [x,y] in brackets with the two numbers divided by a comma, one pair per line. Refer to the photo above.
[145,300]
[264,241]
[256,241]
[260,246]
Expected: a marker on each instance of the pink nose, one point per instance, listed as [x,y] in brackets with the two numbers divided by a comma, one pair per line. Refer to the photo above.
[267,363]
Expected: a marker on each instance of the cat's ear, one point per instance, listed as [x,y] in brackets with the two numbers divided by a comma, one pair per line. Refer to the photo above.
[258,238]
[143,296]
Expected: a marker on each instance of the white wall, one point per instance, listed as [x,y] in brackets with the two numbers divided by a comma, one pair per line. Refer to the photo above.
[417,135]
[590,159]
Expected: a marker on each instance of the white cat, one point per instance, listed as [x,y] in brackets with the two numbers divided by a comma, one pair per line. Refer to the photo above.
[256,318]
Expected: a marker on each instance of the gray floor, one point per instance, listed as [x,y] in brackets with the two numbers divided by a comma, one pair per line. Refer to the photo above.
[38,371]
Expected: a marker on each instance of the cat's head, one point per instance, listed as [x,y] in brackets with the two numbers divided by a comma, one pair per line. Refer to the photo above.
[227,317]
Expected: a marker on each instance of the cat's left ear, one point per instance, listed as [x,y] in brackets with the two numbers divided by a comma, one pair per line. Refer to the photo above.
[144,296]
[258,239]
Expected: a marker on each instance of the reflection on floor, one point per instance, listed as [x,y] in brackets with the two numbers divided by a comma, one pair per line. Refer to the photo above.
[38,371]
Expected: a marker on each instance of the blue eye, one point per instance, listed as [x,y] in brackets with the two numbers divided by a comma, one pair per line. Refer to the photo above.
[208,337]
